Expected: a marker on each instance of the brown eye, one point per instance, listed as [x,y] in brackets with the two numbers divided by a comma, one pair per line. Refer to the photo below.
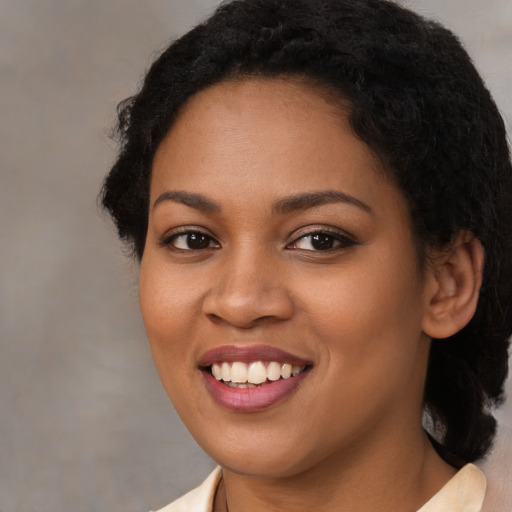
[191,241]
[197,241]
[322,241]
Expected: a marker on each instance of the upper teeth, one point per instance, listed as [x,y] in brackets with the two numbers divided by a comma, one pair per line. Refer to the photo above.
[254,373]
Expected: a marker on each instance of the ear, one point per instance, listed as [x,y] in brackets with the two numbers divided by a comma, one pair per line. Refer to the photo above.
[455,280]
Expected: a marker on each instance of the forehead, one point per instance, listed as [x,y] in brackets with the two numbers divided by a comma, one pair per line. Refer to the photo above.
[295,95]
[264,139]
[256,118]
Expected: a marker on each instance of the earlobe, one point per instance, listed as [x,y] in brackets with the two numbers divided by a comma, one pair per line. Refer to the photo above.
[456,278]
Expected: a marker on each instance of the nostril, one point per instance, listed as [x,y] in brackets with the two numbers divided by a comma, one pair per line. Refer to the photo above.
[216,319]
[243,308]
[219,320]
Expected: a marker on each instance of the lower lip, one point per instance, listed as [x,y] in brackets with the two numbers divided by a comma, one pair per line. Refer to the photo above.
[252,399]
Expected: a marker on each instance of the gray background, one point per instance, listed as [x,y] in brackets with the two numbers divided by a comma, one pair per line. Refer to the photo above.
[84,423]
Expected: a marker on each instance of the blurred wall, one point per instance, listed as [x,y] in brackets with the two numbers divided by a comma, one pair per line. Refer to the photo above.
[84,423]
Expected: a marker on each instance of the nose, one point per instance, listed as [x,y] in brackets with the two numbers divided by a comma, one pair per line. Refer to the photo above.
[248,291]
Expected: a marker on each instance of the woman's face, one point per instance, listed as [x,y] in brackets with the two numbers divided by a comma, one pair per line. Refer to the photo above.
[276,244]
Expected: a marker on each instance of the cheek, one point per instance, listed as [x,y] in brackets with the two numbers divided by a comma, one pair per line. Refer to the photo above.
[370,331]
[370,314]
[167,306]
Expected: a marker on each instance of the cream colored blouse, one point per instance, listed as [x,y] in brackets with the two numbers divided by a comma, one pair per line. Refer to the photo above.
[463,493]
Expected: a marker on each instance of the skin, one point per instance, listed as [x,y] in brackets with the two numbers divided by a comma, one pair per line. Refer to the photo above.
[350,436]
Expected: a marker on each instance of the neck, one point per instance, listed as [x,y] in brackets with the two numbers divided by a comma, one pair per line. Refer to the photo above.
[382,480]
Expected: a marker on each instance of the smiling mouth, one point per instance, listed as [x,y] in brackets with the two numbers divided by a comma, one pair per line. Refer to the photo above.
[255,374]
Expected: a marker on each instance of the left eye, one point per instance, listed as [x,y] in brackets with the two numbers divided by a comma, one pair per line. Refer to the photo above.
[191,241]
[320,241]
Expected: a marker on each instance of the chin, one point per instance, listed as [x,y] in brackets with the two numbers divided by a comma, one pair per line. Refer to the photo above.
[267,456]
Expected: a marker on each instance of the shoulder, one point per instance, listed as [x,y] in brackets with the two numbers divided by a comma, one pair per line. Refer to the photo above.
[199,499]
[463,493]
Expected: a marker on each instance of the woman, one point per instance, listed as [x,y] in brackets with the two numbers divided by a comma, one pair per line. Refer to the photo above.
[319,196]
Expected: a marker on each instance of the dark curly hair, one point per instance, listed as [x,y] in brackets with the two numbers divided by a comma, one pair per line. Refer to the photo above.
[417,101]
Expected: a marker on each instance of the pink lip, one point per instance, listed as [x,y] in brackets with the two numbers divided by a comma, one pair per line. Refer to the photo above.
[247,354]
[250,399]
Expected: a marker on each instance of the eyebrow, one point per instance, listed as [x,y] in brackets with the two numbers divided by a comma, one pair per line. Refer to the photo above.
[282,206]
[196,201]
[314,199]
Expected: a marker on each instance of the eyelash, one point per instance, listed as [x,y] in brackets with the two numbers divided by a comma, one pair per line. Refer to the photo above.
[168,241]
[339,239]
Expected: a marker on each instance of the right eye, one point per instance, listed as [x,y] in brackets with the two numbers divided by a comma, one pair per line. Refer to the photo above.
[190,241]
